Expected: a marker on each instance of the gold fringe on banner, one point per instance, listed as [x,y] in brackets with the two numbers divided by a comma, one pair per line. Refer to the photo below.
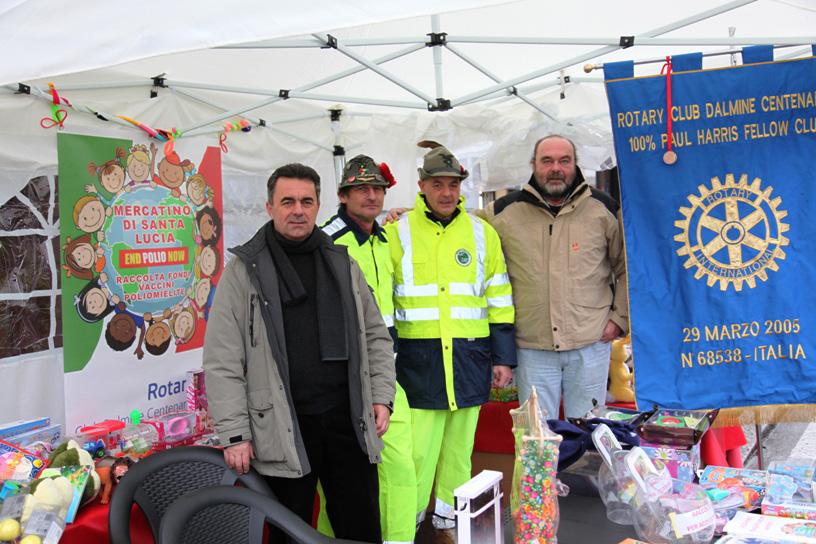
[763,415]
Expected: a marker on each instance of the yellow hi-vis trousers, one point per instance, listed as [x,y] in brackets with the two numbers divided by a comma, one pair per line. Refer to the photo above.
[397,478]
[443,444]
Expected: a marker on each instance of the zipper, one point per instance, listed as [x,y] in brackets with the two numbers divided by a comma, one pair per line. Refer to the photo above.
[550,229]
[374,258]
[252,320]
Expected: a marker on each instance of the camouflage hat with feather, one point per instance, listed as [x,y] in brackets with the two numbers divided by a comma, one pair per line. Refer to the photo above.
[362,170]
[439,162]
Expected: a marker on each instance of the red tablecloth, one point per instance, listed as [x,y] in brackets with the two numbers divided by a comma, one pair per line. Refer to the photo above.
[494,435]
[91,526]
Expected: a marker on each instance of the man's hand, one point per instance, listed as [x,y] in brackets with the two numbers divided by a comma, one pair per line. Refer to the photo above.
[382,415]
[237,457]
[611,331]
[502,375]
[394,214]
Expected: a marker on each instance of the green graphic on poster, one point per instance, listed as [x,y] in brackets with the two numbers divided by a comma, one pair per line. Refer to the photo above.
[141,247]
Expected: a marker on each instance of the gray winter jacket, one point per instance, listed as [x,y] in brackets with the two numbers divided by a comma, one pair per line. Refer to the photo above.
[246,368]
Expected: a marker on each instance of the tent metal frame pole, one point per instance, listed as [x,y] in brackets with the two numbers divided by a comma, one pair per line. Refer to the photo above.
[357,100]
[270,92]
[301,95]
[36,92]
[253,120]
[604,50]
[296,119]
[336,44]
[106,85]
[511,90]
[589,67]
[798,53]
[504,94]
[338,153]
[437,58]
[305,43]
[302,43]
[309,86]
[172,83]
[639,40]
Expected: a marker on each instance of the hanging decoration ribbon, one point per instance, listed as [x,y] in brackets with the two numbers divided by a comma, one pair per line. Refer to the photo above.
[669,157]
[243,125]
[171,137]
[134,122]
[58,115]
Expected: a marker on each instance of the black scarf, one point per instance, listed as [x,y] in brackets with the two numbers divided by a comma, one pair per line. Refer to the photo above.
[331,323]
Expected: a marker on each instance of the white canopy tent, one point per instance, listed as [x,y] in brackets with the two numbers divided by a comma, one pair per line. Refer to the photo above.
[498,74]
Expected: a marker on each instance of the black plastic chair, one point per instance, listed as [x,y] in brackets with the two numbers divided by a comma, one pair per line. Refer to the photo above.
[155,483]
[199,519]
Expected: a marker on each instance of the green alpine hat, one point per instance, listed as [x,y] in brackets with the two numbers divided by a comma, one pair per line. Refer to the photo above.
[362,170]
[439,161]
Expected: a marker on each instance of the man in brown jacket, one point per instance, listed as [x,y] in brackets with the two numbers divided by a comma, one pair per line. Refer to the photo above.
[299,363]
[563,243]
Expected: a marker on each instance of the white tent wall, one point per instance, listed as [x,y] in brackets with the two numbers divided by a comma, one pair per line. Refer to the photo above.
[494,137]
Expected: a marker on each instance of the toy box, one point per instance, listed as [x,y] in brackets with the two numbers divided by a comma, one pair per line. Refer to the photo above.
[681,462]
[782,499]
[802,473]
[677,428]
[772,527]
[18,464]
[23,425]
[749,485]
[49,435]
[103,438]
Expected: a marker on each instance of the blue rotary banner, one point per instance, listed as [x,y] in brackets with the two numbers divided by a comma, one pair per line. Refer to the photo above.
[721,244]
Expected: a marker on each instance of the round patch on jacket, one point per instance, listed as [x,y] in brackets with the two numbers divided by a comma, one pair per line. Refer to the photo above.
[463,257]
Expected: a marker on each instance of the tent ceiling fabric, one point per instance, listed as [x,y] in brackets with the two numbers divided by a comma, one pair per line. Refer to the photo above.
[177,38]
[51,40]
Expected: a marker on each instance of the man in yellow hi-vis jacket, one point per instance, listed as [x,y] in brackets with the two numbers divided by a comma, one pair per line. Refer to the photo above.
[361,193]
[454,317]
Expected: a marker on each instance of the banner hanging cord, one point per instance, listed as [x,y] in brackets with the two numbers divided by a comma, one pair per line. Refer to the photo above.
[669,157]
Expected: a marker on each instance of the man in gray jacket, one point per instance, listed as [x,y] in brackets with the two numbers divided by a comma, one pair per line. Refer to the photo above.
[299,364]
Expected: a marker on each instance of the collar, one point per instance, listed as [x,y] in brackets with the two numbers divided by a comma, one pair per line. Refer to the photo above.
[361,235]
[422,205]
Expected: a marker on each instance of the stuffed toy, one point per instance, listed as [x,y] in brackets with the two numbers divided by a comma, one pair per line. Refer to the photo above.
[53,494]
[70,454]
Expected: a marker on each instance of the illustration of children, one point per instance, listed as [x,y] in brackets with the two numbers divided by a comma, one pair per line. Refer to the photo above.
[111,175]
[198,191]
[94,301]
[90,215]
[208,224]
[183,324]
[172,171]
[157,336]
[208,262]
[121,330]
[201,297]
[82,258]
[140,165]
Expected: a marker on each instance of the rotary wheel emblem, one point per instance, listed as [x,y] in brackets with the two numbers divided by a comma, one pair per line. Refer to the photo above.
[733,232]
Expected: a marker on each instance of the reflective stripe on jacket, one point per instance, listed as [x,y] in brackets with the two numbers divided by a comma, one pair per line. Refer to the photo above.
[453,308]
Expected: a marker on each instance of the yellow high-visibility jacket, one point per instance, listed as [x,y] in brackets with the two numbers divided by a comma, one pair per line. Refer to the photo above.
[453,307]
[370,250]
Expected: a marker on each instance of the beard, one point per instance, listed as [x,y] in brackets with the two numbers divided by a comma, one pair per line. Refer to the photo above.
[555,191]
